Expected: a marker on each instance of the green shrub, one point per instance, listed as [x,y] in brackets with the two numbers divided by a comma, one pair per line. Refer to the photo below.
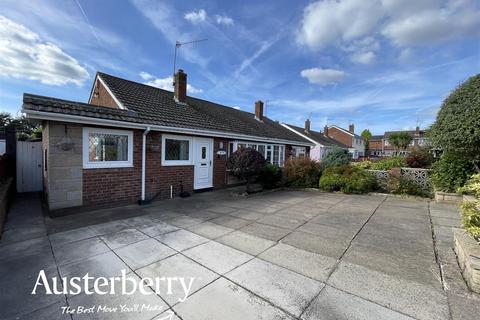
[419,157]
[336,157]
[270,177]
[397,184]
[471,217]
[388,163]
[367,164]
[302,173]
[457,127]
[348,179]
[451,172]
[472,186]
[246,164]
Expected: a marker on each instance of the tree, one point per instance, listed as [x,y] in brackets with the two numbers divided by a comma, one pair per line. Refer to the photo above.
[336,157]
[400,140]
[24,128]
[246,164]
[366,135]
[457,127]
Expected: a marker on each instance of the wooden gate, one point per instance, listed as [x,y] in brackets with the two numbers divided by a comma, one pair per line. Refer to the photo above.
[29,166]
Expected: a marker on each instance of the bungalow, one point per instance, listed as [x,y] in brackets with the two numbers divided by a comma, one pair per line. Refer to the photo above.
[323,143]
[134,142]
[355,143]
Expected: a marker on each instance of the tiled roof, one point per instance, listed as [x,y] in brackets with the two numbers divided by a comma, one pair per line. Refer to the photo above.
[411,132]
[318,137]
[346,131]
[377,137]
[149,105]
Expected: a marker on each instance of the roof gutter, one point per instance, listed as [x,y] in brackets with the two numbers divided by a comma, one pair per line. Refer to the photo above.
[131,125]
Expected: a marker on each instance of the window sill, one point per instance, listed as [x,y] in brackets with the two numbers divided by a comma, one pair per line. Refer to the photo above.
[176,163]
[107,166]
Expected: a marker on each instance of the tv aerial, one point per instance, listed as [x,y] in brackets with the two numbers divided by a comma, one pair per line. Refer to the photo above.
[178,44]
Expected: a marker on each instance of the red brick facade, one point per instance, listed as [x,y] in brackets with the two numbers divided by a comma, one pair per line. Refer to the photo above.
[341,136]
[101,97]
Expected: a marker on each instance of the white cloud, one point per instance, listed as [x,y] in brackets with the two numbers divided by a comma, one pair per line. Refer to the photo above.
[225,20]
[196,16]
[23,54]
[323,76]
[330,22]
[165,83]
[363,57]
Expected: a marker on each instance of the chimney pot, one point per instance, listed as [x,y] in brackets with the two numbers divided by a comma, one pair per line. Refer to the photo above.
[351,128]
[325,131]
[180,89]
[307,125]
[259,110]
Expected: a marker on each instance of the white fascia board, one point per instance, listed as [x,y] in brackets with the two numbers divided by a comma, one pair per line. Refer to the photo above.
[123,124]
[97,77]
[302,135]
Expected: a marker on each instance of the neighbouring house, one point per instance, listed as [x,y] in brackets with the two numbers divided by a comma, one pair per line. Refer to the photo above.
[379,145]
[323,143]
[135,142]
[355,143]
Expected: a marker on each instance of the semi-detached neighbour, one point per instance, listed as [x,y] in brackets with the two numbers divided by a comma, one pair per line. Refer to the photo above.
[132,142]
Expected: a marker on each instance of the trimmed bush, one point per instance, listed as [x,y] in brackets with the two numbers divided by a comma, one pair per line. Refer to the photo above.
[419,157]
[302,173]
[270,177]
[246,164]
[348,179]
[336,157]
[451,172]
[471,217]
[389,163]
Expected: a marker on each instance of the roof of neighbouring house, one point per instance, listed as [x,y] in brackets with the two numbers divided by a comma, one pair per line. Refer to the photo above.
[319,137]
[346,131]
[411,132]
[376,137]
[153,106]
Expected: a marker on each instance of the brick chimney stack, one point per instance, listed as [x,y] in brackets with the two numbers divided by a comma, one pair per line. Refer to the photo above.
[325,131]
[307,125]
[351,128]
[259,110]
[180,89]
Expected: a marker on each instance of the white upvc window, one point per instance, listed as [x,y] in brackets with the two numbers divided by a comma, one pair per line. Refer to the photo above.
[177,150]
[299,152]
[107,148]
[273,153]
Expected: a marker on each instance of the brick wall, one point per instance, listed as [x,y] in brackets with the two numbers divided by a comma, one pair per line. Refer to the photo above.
[107,185]
[102,98]
[340,136]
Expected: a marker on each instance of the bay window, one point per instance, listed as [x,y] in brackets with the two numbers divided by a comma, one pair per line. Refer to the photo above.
[273,153]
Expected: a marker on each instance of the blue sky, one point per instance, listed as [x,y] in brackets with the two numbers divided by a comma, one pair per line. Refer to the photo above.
[382,64]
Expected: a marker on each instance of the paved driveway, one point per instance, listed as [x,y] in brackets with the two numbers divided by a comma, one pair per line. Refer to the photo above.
[281,255]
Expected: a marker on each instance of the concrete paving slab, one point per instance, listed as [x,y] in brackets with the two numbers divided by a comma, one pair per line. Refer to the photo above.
[19,268]
[346,231]
[247,214]
[210,230]
[300,212]
[217,257]
[142,221]
[178,266]
[266,231]
[23,232]
[23,248]
[142,253]
[408,297]
[246,242]
[281,221]
[309,264]
[204,215]
[125,237]
[223,300]
[181,240]
[333,304]
[71,236]
[157,229]
[464,306]
[103,265]
[109,227]
[327,246]
[221,209]
[288,290]
[266,209]
[50,312]
[138,299]
[447,222]
[231,222]
[79,250]
[184,221]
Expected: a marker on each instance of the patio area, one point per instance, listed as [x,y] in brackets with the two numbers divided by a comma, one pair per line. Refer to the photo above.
[279,255]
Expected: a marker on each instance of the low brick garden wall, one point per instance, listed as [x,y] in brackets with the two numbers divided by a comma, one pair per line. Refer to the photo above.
[5,196]
[468,254]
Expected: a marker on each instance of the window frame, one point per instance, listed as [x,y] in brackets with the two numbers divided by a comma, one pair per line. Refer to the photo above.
[167,163]
[268,148]
[87,164]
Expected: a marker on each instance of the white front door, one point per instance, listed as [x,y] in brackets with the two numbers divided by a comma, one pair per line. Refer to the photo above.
[203,172]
